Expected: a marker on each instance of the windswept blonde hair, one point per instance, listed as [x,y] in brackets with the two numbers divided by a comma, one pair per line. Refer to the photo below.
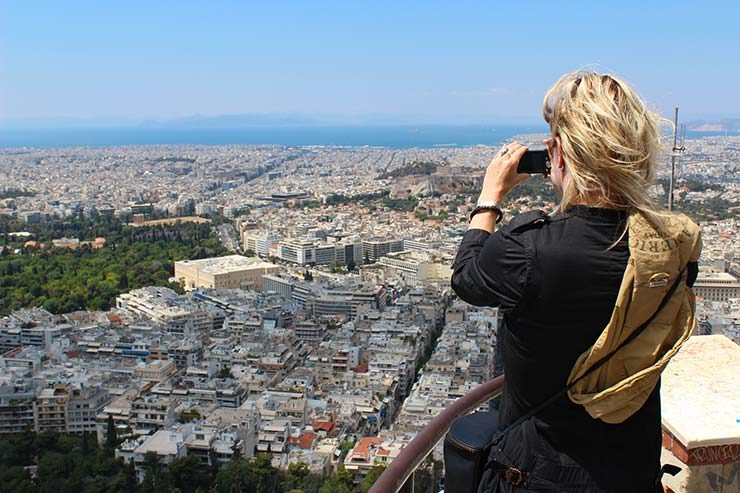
[609,140]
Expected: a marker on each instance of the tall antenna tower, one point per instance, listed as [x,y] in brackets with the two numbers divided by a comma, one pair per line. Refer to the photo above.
[675,152]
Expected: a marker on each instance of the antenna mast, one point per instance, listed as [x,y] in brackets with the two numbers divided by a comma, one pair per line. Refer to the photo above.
[674,152]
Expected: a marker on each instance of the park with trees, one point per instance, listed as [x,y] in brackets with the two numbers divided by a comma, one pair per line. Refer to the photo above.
[63,280]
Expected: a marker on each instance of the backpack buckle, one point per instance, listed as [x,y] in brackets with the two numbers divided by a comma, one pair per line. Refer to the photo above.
[514,476]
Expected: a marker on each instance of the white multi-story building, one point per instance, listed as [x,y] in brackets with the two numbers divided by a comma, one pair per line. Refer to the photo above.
[259,243]
[373,249]
[273,436]
[152,413]
[232,271]
[316,252]
[300,252]
[83,406]
[283,286]
[167,445]
[17,407]
[321,300]
[169,310]
[310,331]
[155,371]
[414,266]
[716,286]
[369,452]
[41,336]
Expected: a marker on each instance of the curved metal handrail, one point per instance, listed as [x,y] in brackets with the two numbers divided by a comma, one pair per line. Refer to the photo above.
[403,466]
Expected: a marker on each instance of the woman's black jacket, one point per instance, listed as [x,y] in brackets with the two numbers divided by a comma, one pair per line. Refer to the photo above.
[555,279]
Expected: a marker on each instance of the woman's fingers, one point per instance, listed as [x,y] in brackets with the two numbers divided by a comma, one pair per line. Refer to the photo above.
[508,152]
[516,154]
[501,175]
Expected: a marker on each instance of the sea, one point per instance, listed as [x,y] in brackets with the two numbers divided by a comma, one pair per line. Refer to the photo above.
[391,136]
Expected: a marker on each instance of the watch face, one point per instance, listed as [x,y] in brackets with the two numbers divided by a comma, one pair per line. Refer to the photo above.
[487,203]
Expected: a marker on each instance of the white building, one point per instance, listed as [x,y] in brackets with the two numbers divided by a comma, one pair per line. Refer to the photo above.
[168,445]
[259,243]
[716,286]
[229,272]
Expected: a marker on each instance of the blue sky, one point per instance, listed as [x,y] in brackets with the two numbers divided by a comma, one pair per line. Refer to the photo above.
[444,61]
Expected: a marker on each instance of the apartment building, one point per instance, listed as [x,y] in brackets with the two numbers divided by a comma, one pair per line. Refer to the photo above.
[175,314]
[720,286]
[198,386]
[244,422]
[273,436]
[26,358]
[51,409]
[314,252]
[308,331]
[17,407]
[42,336]
[283,286]
[259,243]
[186,353]
[300,252]
[373,249]
[83,406]
[151,412]
[242,324]
[155,371]
[329,300]
[369,452]
[167,445]
[413,266]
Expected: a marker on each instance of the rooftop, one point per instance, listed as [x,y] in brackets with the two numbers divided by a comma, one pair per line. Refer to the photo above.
[224,265]
[717,277]
[163,442]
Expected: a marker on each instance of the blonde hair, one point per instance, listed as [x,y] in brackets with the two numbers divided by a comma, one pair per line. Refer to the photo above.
[609,140]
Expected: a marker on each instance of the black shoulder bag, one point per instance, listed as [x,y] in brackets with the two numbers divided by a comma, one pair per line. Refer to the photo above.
[471,443]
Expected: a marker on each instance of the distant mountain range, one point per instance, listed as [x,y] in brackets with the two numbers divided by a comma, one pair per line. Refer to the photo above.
[252,120]
[722,125]
[246,120]
[232,121]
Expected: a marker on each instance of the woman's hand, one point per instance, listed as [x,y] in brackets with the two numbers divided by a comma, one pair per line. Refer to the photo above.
[501,175]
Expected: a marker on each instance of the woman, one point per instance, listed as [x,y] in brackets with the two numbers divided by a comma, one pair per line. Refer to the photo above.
[556,279]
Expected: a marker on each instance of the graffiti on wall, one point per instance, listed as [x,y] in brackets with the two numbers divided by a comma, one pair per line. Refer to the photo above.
[717,454]
[719,483]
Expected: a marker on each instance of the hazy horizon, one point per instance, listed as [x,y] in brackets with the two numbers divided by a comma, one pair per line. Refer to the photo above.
[294,119]
[265,119]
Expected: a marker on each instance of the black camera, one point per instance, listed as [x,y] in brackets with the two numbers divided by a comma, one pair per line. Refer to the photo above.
[534,162]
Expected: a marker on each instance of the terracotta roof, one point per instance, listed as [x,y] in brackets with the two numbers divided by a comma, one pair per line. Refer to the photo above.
[326,426]
[306,440]
[362,449]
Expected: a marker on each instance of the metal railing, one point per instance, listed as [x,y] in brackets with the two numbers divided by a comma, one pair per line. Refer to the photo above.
[397,474]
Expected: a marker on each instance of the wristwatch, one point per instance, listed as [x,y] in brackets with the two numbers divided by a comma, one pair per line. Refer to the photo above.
[487,205]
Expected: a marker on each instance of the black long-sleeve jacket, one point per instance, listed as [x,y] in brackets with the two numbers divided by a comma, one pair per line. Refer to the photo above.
[556,278]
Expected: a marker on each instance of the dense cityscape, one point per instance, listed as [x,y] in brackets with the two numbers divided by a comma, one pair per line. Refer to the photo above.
[210,315]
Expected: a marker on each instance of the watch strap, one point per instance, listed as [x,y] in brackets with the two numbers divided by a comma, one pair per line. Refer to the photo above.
[487,206]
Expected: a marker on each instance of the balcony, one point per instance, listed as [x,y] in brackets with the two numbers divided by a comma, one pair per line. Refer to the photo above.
[399,475]
[701,381]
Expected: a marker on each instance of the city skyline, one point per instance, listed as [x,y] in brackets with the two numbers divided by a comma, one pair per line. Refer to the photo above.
[415,63]
[241,248]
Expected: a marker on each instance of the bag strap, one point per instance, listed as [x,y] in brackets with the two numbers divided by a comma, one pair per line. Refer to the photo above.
[595,366]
